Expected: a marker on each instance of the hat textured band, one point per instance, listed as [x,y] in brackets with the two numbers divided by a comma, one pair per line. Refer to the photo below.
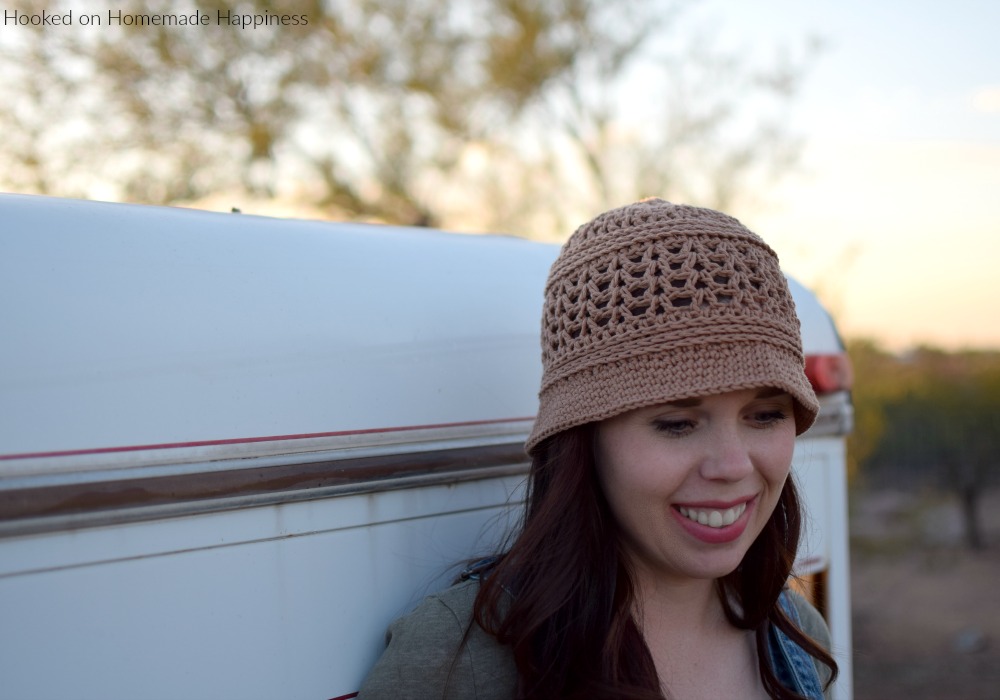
[655,302]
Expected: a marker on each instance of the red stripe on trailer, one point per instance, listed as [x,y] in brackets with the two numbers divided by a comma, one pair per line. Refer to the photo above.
[249,440]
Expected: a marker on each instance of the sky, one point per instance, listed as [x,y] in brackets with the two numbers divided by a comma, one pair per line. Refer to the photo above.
[893,215]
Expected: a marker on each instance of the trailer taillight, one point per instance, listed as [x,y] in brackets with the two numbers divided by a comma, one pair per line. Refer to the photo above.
[829,373]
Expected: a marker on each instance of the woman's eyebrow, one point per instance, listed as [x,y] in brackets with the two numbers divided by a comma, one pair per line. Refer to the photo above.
[765,393]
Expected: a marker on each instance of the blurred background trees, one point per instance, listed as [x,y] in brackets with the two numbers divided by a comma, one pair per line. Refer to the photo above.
[928,419]
[511,115]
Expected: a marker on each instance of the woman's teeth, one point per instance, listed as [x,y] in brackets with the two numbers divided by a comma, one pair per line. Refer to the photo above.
[713,518]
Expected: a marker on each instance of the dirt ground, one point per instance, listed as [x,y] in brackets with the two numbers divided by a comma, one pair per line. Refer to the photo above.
[926,610]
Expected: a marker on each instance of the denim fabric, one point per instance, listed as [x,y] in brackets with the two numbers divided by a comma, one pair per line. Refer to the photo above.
[792,665]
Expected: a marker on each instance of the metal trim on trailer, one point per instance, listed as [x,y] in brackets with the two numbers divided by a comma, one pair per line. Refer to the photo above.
[81,500]
[64,498]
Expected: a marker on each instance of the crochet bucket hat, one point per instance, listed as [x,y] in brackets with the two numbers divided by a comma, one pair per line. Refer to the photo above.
[655,302]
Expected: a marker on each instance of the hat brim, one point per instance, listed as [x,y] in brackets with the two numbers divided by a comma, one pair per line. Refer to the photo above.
[599,392]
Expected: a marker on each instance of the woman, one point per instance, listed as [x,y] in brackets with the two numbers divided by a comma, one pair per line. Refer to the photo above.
[661,524]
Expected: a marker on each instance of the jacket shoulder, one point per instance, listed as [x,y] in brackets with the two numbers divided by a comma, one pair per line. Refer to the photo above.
[810,620]
[438,651]
[814,625]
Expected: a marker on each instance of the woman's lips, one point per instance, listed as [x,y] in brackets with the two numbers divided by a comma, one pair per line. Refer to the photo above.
[711,517]
[715,523]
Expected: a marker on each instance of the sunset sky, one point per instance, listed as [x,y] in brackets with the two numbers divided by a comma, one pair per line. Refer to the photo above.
[894,216]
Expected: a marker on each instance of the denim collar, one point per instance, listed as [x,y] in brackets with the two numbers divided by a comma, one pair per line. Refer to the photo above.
[792,665]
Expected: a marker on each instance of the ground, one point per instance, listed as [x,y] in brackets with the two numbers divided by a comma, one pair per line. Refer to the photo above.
[926,609]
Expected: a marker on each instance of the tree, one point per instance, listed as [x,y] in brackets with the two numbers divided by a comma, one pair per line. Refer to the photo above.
[408,111]
[939,419]
[873,379]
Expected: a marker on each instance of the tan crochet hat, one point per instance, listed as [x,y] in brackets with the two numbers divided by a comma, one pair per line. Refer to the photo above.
[656,302]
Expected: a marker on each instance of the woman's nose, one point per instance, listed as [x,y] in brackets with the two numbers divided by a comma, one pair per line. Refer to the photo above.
[727,457]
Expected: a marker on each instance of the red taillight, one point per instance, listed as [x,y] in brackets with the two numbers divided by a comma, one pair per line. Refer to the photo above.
[828,373]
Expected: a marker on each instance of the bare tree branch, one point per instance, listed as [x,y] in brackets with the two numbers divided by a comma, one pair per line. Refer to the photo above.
[373,108]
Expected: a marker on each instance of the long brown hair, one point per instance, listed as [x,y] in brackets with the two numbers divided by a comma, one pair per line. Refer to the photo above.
[561,596]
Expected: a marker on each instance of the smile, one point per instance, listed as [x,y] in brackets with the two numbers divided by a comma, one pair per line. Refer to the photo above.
[713,518]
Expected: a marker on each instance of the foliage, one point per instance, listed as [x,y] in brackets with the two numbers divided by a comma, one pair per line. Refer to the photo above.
[925,414]
[927,418]
[482,114]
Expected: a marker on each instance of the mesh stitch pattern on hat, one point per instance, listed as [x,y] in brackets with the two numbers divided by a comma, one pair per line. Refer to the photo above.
[651,278]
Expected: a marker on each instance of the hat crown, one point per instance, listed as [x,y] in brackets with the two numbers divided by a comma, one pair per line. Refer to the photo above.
[658,269]
[653,302]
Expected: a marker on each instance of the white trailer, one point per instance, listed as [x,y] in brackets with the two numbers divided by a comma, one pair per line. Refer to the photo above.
[234,448]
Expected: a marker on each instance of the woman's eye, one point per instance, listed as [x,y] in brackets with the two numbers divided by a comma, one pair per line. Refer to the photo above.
[768,418]
[674,428]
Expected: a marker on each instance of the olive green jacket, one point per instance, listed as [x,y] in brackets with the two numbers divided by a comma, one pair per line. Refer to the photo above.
[426,658]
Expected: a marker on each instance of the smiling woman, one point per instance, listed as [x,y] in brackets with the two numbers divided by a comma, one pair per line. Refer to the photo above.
[661,526]
[693,483]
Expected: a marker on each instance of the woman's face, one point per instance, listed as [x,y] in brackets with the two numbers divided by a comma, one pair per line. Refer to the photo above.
[692,483]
